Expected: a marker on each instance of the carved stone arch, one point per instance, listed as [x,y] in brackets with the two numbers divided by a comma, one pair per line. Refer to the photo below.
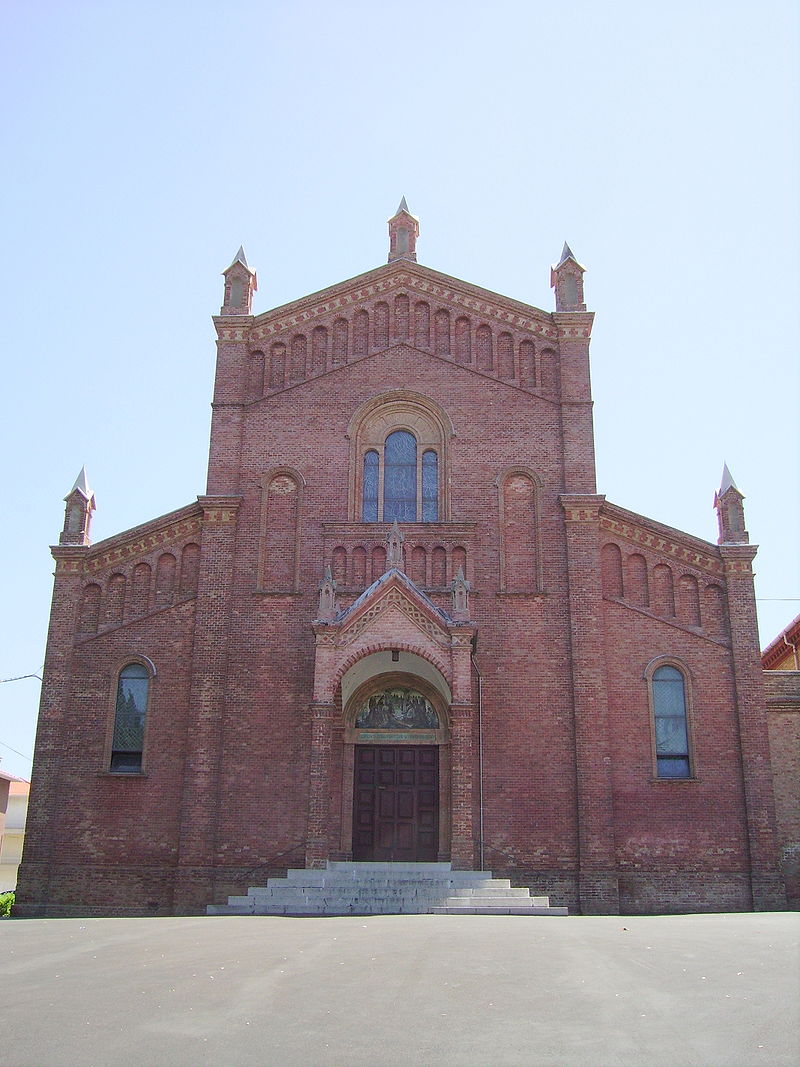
[519,500]
[399,409]
[279,534]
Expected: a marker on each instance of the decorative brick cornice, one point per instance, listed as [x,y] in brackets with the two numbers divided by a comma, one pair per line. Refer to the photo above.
[139,541]
[738,560]
[574,325]
[385,280]
[70,559]
[237,329]
[581,507]
[662,539]
[219,510]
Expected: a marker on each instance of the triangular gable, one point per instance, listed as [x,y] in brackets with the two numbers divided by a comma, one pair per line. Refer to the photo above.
[387,279]
[402,304]
[393,591]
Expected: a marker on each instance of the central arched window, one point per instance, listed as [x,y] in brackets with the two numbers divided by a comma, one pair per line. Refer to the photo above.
[400,477]
[400,485]
[399,461]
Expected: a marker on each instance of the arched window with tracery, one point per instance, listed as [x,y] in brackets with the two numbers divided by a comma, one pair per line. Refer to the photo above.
[399,460]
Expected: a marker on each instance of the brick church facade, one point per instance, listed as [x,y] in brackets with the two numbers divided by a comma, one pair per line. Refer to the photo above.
[402,624]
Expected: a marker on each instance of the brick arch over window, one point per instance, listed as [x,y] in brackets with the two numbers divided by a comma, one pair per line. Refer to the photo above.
[371,426]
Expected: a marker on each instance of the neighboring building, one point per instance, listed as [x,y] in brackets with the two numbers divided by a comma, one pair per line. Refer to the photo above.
[402,624]
[12,828]
[782,684]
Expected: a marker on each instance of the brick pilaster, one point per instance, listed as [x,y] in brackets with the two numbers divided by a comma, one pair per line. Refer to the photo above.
[319,789]
[200,804]
[43,811]
[599,888]
[767,888]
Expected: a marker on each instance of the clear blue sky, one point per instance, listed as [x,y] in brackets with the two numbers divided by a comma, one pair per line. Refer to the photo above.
[143,142]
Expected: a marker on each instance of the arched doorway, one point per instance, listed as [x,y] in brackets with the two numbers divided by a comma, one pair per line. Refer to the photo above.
[396,792]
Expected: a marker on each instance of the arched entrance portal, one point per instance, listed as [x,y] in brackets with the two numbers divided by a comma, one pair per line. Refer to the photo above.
[397,767]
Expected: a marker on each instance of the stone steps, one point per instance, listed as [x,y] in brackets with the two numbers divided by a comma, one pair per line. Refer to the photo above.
[344,888]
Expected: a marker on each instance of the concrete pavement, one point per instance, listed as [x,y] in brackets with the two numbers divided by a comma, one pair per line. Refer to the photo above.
[708,990]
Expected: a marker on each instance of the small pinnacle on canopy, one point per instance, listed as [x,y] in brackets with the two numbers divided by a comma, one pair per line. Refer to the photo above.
[403,207]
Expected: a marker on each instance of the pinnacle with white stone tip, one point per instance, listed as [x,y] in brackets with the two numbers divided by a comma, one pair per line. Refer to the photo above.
[727,481]
[82,485]
[240,257]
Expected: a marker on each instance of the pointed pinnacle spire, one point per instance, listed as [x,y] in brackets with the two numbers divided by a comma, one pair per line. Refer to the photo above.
[566,253]
[727,481]
[403,207]
[82,485]
[240,257]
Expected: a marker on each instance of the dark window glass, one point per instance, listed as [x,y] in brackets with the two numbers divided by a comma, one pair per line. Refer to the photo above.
[369,510]
[672,736]
[400,477]
[430,487]
[131,706]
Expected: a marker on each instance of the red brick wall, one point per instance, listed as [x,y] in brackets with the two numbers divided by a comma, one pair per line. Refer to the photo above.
[570,800]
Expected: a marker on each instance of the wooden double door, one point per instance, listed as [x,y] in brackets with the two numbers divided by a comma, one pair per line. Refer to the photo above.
[396,803]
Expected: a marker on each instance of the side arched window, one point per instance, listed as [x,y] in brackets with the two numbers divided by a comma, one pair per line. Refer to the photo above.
[130,710]
[670,722]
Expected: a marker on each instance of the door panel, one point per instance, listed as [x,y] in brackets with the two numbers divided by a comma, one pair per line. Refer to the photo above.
[396,803]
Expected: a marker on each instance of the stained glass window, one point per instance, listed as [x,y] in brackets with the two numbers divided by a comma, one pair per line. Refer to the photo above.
[370,493]
[400,477]
[672,735]
[430,487]
[131,706]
